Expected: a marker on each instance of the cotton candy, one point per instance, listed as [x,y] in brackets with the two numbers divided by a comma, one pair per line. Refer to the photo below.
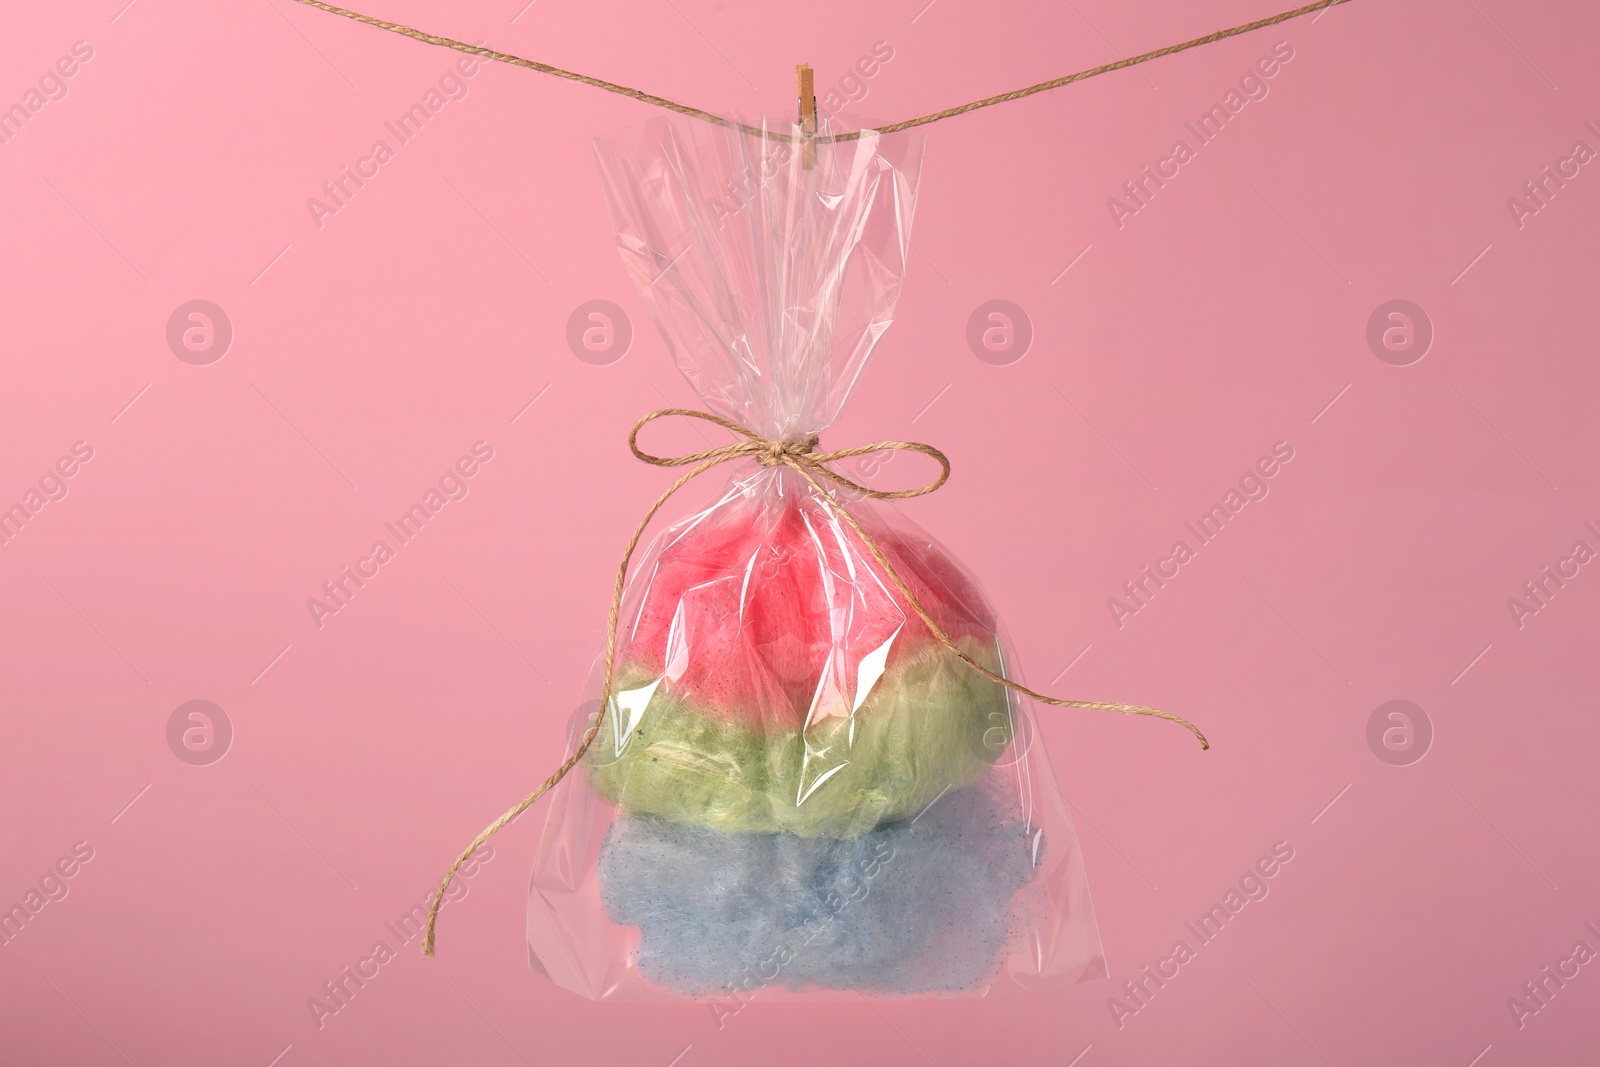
[775,680]
[930,724]
[748,606]
[922,905]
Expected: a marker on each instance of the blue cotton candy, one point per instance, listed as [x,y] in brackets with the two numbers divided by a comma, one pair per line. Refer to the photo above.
[917,906]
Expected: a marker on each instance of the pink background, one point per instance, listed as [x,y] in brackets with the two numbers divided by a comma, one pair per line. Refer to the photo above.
[1226,315]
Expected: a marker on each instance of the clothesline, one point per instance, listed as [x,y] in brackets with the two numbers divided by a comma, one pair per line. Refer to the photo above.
[694,112]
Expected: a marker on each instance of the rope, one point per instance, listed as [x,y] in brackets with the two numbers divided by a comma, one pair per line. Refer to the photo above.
[923,120]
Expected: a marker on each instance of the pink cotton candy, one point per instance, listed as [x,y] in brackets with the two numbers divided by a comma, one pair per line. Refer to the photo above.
[771,596]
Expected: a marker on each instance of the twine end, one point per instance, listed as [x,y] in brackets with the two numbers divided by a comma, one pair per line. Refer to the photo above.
[433,911]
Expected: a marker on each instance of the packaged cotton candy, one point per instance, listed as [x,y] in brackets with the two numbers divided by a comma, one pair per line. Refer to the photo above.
[797,788]
[810,768]
[773,683]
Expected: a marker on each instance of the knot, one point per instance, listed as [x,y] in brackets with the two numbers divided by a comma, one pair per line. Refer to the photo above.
[780,453]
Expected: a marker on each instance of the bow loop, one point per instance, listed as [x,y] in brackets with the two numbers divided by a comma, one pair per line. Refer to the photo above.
[801,455]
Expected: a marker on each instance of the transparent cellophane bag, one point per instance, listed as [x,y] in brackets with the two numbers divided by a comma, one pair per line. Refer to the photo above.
[797,788]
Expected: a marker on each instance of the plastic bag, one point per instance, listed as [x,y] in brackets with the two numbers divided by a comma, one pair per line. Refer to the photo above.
[796,788]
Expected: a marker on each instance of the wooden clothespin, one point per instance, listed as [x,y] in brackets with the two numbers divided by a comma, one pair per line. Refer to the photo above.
[808,116]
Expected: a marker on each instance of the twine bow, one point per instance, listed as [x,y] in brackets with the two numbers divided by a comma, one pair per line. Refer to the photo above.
[802,457]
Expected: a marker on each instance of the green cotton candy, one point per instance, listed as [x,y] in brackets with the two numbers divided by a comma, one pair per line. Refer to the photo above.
[930,724]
